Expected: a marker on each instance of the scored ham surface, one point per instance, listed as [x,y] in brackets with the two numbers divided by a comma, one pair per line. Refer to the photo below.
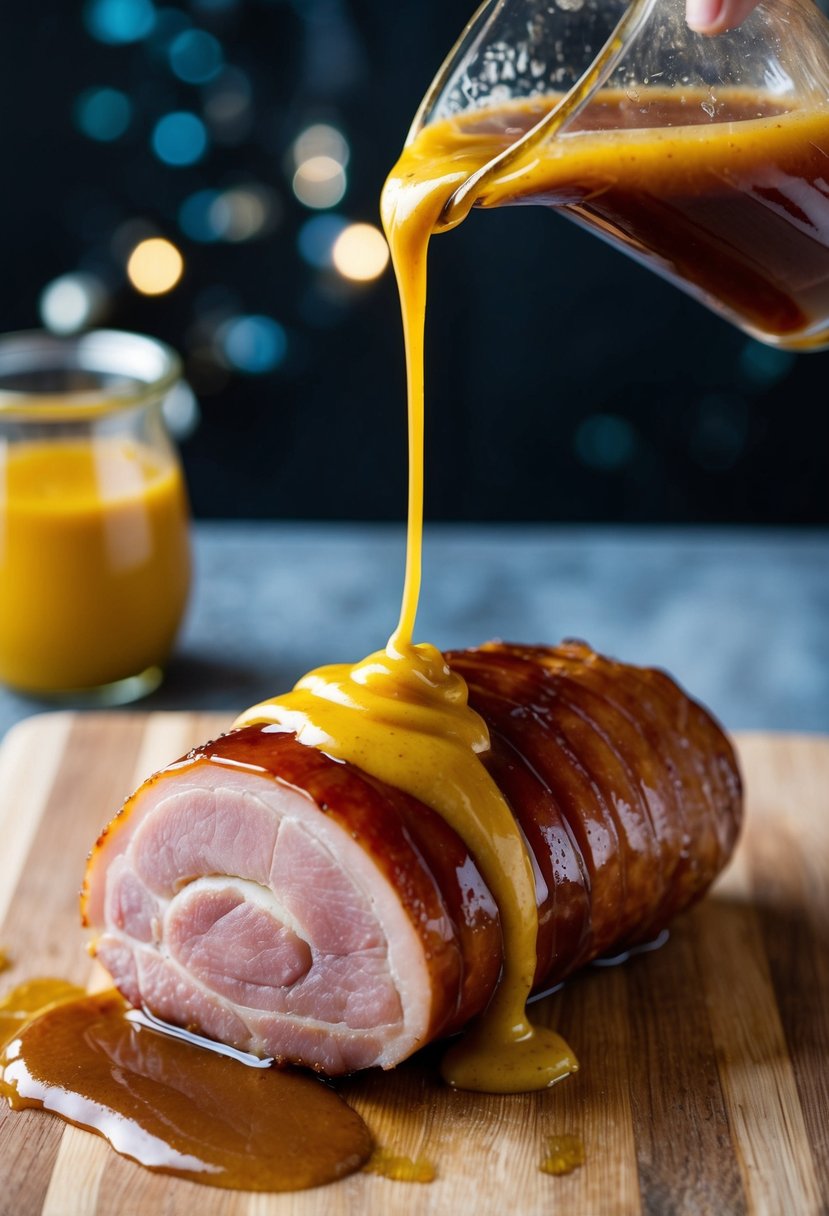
[261,893]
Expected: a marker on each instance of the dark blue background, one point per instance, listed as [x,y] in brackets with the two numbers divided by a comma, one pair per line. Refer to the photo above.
[565,383]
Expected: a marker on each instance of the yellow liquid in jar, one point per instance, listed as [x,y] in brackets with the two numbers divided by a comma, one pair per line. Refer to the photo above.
[94,562]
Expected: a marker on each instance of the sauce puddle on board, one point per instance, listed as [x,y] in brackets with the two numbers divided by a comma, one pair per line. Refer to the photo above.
[168,1104]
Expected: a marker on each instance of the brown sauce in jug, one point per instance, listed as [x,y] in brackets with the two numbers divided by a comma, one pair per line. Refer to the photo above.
[727,195]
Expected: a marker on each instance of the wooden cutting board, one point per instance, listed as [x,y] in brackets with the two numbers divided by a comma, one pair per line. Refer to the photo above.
[705,1065]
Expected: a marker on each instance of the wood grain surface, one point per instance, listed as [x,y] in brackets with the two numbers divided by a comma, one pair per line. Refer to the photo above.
[705,1065]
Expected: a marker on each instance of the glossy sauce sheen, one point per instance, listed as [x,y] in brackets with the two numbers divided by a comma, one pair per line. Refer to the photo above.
[28,1000]
[388,1164]
[90,532]
[565,1154]
[169,1105]
[403,716]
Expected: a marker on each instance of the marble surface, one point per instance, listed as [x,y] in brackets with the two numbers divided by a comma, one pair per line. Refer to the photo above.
[740,617]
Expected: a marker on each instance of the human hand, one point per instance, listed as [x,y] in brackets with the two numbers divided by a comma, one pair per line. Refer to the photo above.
[716,16]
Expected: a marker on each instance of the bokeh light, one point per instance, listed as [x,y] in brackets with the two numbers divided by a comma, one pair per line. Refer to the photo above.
[103,114]
[320,182]
[181,410]
[606,442]
[253,344]
[321,139]
[317,237]
[227,105]
[179,139]
[196,57]
[118,22]
[72,302]
[194,216]
[155,266]
[244,212]
[240,213]
[360,253]
[764,366]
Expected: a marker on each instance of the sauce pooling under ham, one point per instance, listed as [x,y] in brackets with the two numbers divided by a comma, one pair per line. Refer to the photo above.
[172,1106]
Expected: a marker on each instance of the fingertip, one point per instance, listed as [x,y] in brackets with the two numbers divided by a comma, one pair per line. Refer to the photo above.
[704,15]
[717,16]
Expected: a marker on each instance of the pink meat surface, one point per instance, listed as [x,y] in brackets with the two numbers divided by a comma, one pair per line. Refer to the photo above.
[230,904]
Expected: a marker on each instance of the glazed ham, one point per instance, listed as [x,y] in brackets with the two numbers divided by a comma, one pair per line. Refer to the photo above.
[264,894]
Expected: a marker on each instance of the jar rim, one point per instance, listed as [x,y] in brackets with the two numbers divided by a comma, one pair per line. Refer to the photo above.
[142,370]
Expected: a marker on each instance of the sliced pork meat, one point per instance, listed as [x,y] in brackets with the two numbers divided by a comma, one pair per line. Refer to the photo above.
[261,893]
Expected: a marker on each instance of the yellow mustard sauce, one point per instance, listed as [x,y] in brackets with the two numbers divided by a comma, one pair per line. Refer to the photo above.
[565,1154]
[388,1164]
[402,715]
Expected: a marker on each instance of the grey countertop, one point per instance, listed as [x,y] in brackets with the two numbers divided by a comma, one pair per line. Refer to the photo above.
[740,617]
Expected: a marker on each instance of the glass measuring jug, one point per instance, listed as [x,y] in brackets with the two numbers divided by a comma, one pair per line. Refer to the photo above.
[706,159]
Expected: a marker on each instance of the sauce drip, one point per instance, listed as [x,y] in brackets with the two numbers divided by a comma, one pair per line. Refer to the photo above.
[565,1154]
[169,1105]
[388,1164]
[28,1000]
[402,716]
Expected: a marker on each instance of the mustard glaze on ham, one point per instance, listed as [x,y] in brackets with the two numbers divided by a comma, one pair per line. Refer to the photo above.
[261,893]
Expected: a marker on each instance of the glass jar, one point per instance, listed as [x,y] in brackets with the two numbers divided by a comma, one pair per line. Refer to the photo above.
[94,544]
